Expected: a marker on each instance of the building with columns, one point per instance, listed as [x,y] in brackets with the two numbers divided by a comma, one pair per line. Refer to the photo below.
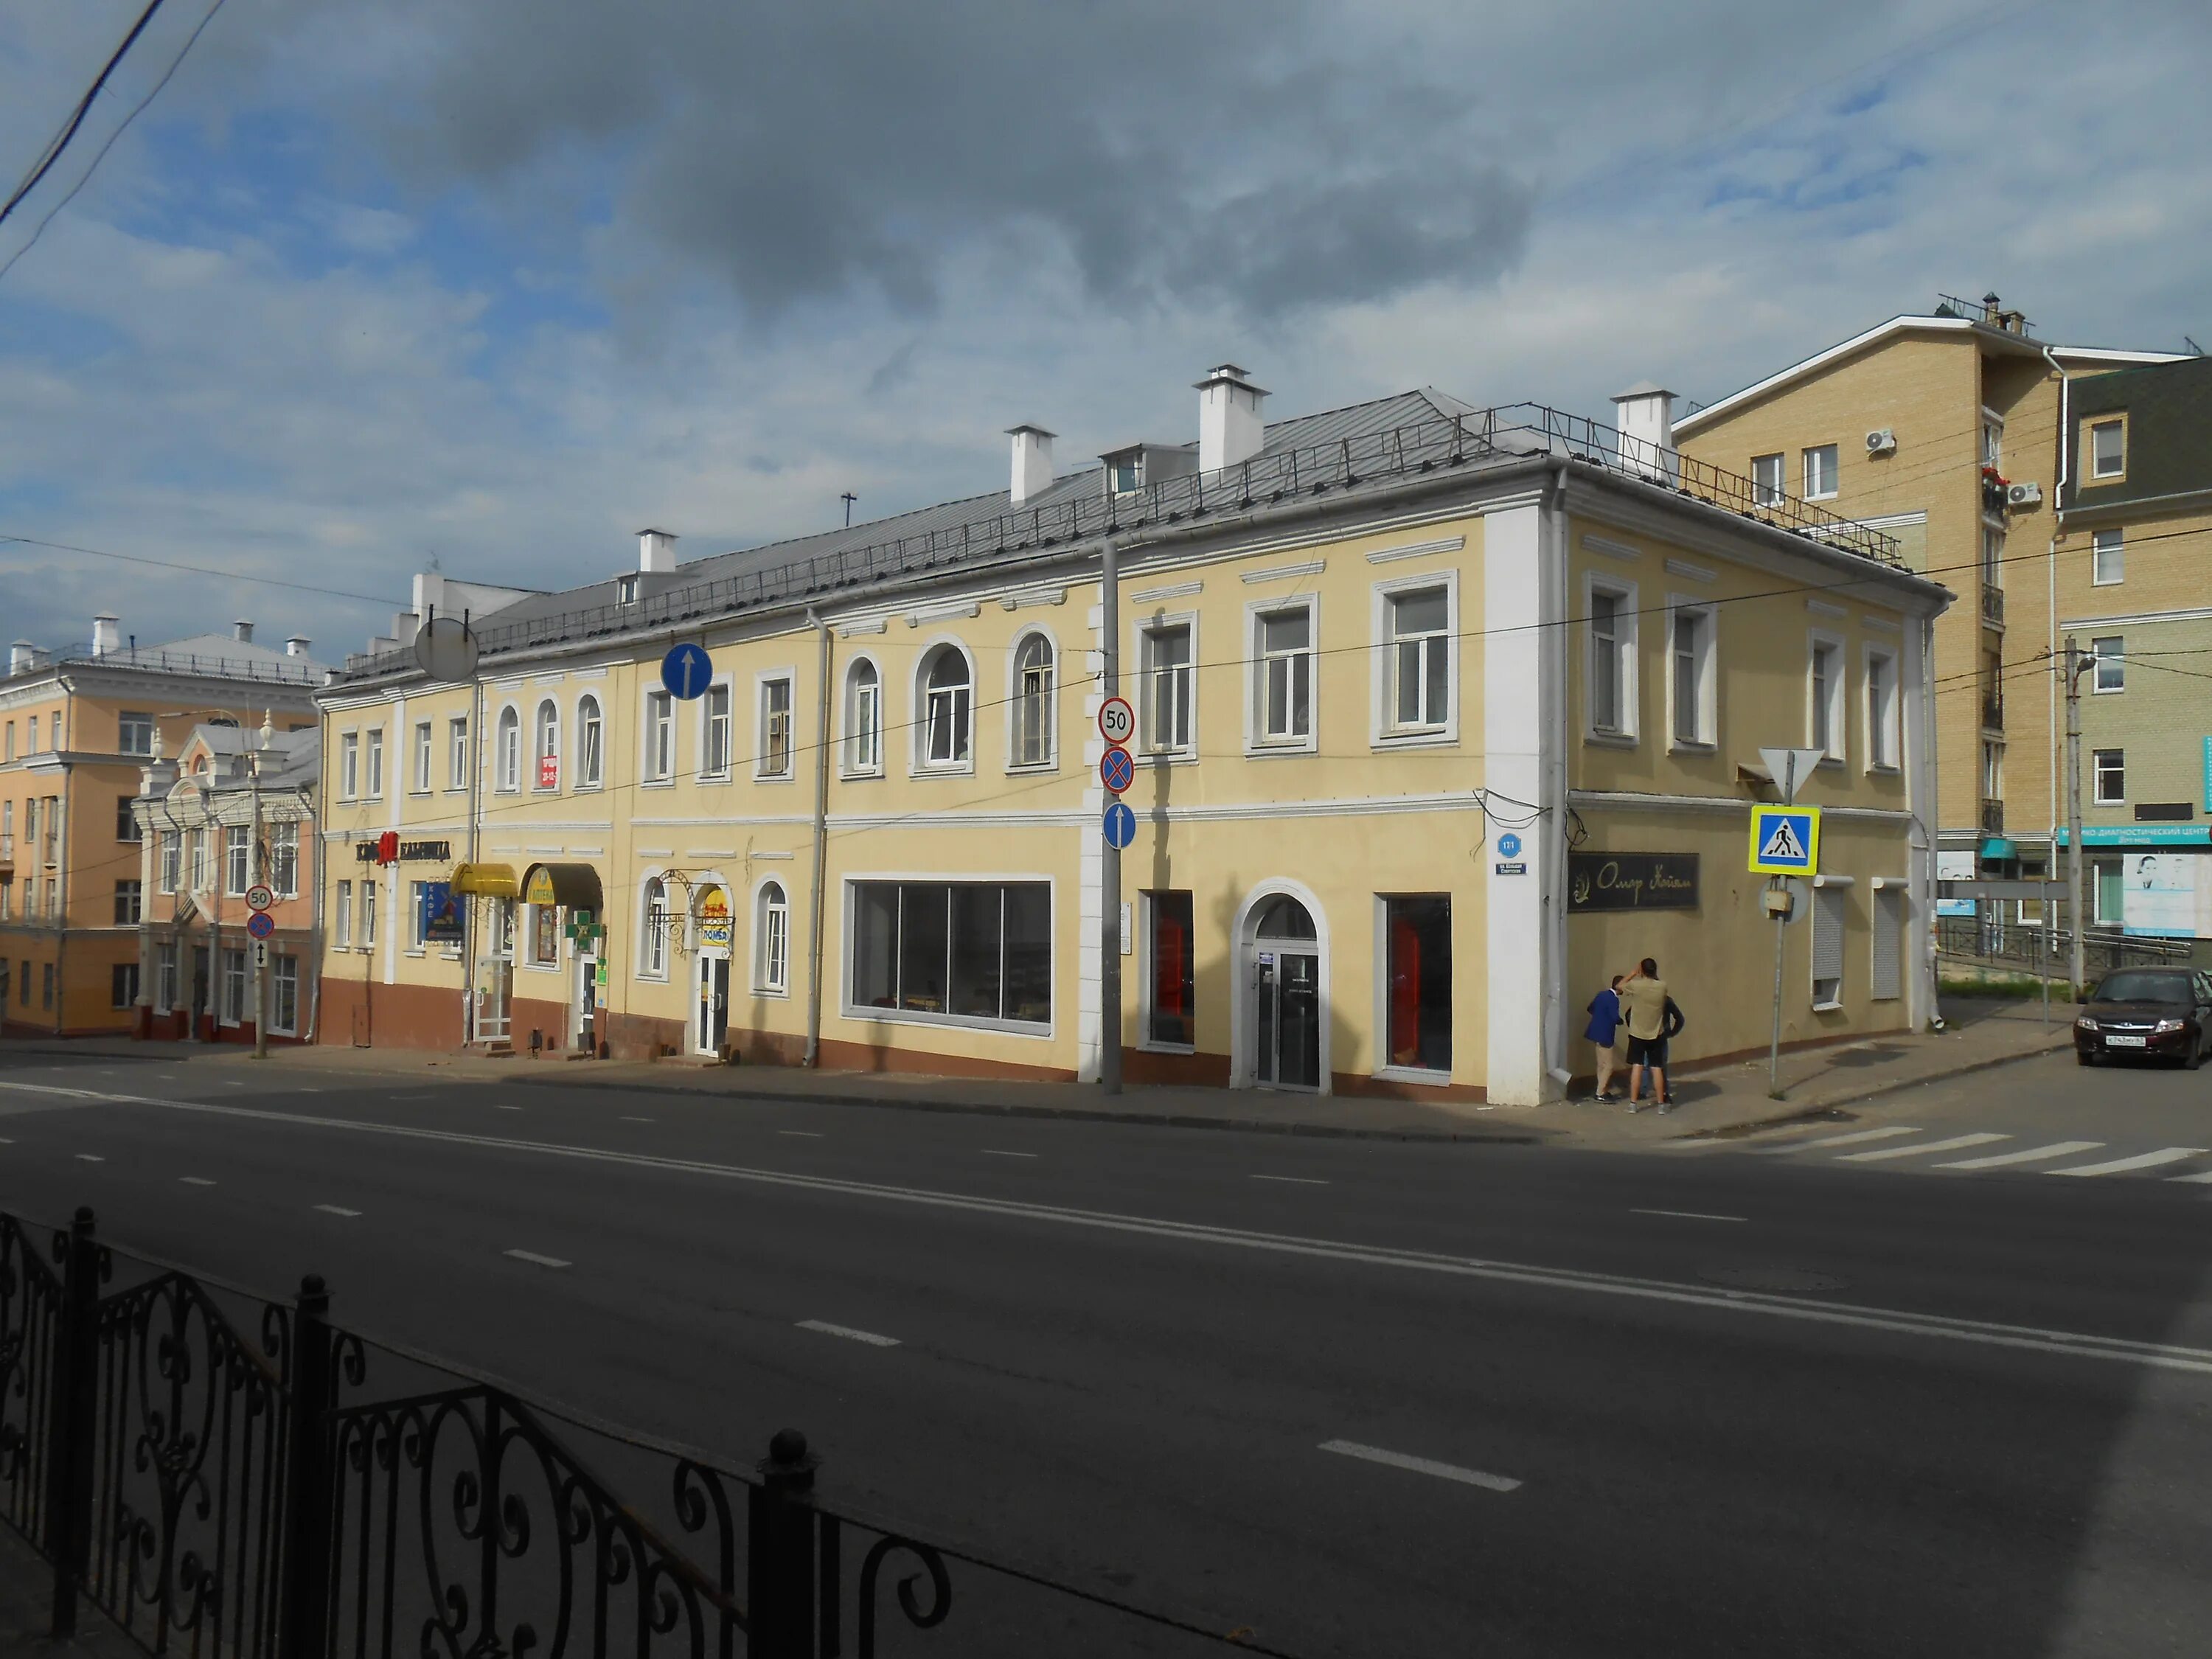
[1442,715]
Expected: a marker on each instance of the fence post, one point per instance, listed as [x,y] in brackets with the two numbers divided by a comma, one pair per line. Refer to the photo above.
[72,1421]
[780,1552]
[307,1499]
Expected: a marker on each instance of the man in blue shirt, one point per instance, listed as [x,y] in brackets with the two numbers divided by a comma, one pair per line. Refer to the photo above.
[1604,1030]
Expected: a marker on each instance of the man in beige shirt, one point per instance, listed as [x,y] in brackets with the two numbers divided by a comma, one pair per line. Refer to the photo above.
[1643,1007]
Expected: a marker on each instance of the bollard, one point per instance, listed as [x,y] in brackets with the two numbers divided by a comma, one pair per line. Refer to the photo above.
[780,1552]
[305,1628]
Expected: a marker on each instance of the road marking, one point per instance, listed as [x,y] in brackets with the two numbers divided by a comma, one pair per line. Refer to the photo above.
[231,1083]
[1675,1292]
[1998,1160]
[90,1157]
[196,1181]
[420,1096]
[2202,1177]
[334,1209]
[1421,1466]
[849,1333]
[542,1260]
[502,1106]
[1851,1139]
[993,1151]
[1292,1181]
[310,1092]
[2140,1161]
[1955,1144]
[1690,1215]
[4,1141]
[801,1134]
[637,1119]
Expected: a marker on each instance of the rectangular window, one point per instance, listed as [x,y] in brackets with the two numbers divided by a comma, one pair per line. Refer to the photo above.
[1766,489]
[123,984]
[1611,662]
[660,736]
[341,916]
[233,987]
[1419,621]
[456,752]
[418,915]
[1881,724]
[1992,442]
[773,963]
[1824,698]
[2108,449]
[1992,556]
[544,935]
[1419,1018]
[128,904]
[865,727]
[199,860]
[715,756]
[1886,975]
[591,745]
[2110,767]
[173,859]
[134,733]
[1992,771]
[1820,472]
[1830,907]
[1165,657]
[2107,558]
[1171,979]
[284,994]
[1283,677]
[2107,878]
[376,764]
[965,952]
[127,821]
[165,975]
[237,860]
[368,915]
[422,758]
[1694,715]
[2111,656]
[350,766]
[284,858]
[8,752]
[775,728]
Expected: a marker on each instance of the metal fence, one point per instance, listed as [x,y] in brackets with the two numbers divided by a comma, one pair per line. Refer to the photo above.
[160,659]
[1993,941]
[1310,472]
[233,1478]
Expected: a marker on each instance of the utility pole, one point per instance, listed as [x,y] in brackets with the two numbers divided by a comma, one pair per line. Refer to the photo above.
[1109,867]
[2075,663]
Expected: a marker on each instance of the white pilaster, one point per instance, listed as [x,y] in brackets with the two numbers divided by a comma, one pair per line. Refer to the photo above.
[1513,706]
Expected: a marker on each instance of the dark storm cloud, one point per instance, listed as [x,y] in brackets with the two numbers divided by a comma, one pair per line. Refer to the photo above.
[1268,157]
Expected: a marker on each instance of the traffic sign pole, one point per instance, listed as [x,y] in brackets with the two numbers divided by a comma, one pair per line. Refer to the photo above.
[1109,856]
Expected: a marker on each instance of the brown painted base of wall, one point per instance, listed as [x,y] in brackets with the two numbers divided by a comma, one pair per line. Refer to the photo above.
[1391,1087]
[178,1026]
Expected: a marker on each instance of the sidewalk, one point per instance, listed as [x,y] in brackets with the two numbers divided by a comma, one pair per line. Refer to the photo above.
[1713,1100]
[27,1611]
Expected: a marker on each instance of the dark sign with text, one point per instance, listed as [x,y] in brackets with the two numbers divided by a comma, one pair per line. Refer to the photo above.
[388,848]
[1631,881]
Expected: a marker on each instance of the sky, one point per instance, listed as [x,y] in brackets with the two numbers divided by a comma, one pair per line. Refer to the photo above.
[373,286]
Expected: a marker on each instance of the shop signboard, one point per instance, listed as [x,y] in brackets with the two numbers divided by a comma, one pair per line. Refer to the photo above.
[441,913]
[714,920]
[1631,881]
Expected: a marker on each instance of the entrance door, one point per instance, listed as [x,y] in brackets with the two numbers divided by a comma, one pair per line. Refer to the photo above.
[714,1003]
[1286,1019]
[586,1010]
[494,980]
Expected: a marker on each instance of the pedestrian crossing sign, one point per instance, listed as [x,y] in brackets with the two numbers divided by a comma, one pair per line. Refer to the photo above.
[1785,840]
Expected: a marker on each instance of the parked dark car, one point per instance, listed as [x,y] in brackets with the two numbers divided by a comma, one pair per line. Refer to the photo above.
[2137,1013]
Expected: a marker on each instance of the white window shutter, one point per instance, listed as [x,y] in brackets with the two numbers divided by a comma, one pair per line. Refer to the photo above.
[1888,974]
[1828,933]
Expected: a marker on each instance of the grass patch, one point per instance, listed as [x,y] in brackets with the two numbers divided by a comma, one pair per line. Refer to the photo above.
[2019,986]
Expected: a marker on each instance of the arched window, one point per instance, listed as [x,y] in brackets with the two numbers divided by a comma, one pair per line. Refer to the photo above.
[546,747]
[510,749]
[947,707]
[863,719]
[1033,702]
[655,932]
[771,939]
[591,745]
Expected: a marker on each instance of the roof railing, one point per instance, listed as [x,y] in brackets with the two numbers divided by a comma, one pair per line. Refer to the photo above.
[160,659]
[1370,460]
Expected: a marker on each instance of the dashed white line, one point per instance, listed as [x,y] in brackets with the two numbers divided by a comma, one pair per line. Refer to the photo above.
[1690,1215]
[802,1134]
[501,1105]
[2029,1155]
[637,1119]
[90,1157]
[994,1151]
[231,1083]
[1421,1466]
[196,1181]
[1955,1144]
[2202,1177]
[541,1261]
[1851,1139]
[4,1141]
[2140,1161]
[846,1331]
[1292,1181]
[336,1209]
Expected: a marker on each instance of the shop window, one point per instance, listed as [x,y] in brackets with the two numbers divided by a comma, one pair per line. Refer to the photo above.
[960,953]
[2106,877]
[1418,937]
[1171,979]
[544,936]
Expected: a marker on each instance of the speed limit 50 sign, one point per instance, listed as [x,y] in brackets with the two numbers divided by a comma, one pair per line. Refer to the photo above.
[1117,721]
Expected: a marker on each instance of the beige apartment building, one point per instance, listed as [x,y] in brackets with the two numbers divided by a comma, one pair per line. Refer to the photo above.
[1944,432]
[1442,715]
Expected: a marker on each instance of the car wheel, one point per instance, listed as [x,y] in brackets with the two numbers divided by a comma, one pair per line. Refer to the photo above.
[2196,1059]
[2083,1057]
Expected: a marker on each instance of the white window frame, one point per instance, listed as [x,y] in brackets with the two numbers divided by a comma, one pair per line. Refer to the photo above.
[284,858]
[367,911]
[456,752]
[1256,613]
[652,951]
[1993,428]
[348,766]
[1707,721]
[424,738]
[2108,558]
[1164,622]
[591,745]
[1770,493]
[921,765]
[1382,692]
[282,968]
[374,748]
[764,768]
[724,688]
[507,749]
[2116,658]
[1883,727]
[2094,424]
[1045,1032]
[418,940]
[132,722]
[544,745]
[2094,872]
[170,855]
[1837,694]
[232,996]
[1627,660]
[1834,455]
[853,731]
[656,763]
[1016,701]
[341,916]
[2097,777]
[771,952]
[165,975]
[238,873]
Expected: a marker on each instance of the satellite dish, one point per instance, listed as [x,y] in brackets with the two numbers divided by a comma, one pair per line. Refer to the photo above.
[445,649]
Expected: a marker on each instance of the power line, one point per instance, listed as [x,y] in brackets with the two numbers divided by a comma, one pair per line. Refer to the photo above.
[60,141]
[198,569]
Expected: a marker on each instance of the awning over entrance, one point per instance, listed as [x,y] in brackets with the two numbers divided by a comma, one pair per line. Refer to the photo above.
[1996,846]
[487,880]
[576,886]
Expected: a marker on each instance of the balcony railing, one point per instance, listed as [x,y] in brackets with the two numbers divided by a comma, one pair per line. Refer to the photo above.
[1431,446]
[1993,817]
[1993,714]
[1992,606]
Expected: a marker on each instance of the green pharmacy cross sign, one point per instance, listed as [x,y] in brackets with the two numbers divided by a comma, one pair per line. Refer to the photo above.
[582,931]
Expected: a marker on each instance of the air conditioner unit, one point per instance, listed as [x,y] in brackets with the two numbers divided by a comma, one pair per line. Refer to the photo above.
[2023,495]
[1882,441]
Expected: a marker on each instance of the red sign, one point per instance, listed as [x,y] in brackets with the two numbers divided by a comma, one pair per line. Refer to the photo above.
[549,771]
[387,848]
[1117,721]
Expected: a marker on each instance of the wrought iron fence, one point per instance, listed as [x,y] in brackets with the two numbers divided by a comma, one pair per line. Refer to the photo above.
[232,1478]
[1268,479]
[1992,940]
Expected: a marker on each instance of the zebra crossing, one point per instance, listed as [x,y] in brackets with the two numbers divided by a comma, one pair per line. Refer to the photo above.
[1904,1146]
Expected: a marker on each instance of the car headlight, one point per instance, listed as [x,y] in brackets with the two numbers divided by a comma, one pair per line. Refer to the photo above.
[2085,1024]
[2165,1025]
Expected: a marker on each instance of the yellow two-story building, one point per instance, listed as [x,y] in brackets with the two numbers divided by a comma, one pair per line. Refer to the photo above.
[1441,716]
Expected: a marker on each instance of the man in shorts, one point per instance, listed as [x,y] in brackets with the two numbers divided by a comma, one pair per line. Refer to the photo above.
[1645,1005]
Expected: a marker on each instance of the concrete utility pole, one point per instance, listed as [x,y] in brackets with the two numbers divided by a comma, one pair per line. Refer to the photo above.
[2075,663]
[1109,867]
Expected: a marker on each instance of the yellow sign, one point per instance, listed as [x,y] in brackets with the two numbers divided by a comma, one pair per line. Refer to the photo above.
[1785,840]
[541,887]
[714,919]
[486,880]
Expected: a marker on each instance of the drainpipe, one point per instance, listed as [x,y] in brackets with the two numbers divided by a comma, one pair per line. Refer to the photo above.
[1552,606]
[2050,575]
[813,1056]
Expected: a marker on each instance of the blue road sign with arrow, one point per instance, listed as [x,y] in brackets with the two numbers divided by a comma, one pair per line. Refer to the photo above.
[687,670]
[1121,826]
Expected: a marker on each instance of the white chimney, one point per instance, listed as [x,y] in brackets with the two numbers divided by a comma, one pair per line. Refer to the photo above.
[297,646]
[19,652]
[1230,427]
[105,638]
[656,551]
[1646,417]
[242,631]
[1032,462]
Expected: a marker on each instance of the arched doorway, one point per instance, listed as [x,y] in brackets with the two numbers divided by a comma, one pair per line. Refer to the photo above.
[711,919]
[1286,1007]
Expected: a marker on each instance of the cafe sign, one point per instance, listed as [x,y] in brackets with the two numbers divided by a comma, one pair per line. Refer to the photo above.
[388,848]
[1631,881]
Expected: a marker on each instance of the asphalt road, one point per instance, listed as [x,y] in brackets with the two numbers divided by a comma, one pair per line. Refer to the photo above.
[1749,1401]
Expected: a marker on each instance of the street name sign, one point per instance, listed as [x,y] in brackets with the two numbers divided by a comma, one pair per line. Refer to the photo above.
[1117,721]
[1785,840]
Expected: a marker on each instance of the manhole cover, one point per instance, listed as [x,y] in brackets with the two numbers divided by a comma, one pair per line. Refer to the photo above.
[1773,1279]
